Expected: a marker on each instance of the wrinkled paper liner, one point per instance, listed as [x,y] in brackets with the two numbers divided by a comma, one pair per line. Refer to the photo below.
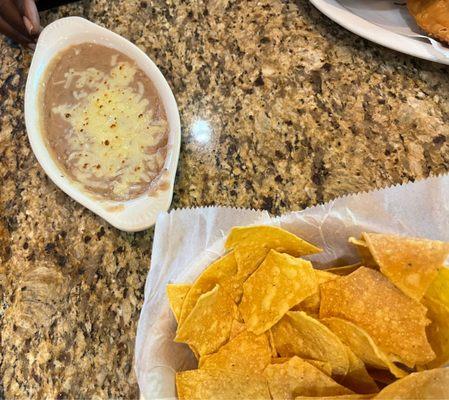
[187,240]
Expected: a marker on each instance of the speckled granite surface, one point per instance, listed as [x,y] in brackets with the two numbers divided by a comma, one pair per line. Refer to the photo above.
[280,109]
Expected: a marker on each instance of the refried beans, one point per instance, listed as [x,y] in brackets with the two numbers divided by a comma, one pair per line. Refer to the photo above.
[104,122]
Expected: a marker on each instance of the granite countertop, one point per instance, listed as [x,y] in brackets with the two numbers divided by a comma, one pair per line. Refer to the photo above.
[281,109]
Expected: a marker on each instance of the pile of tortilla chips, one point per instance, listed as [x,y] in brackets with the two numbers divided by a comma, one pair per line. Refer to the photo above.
[264,324]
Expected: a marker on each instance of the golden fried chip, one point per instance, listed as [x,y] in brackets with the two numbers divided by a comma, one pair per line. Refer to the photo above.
[432,384]
[324,366]
[439,288]
[342,397]
[311,304]
[396,322]
[357,379]
[364,253]
[176,295]
[287,340]
[245,353]
[208,326]
[345,270]
[432,16]
[438,331]
[223,272]
[410,263]
[304,336]
[279,360]
[437,302]
[252,244]
[298,377]
[279,283]
[270,337]
[212,384]
[323,276]
[237,327]
[382,376]
[362,345]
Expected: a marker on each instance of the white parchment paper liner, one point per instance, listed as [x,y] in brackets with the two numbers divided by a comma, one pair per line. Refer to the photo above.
[186,241]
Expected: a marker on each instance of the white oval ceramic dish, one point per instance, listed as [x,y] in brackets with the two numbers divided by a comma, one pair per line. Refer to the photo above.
[382,22]
[132,215]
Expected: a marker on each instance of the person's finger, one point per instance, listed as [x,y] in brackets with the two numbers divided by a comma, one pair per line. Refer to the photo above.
[9,31]
[10,13]
[28,9]
[32,14]
[28,24]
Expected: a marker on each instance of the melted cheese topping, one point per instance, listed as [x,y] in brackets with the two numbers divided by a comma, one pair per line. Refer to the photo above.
[114,139]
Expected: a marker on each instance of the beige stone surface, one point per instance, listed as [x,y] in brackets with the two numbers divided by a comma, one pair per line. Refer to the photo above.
[281,109]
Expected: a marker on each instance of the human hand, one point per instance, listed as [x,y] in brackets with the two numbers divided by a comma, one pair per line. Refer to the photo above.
[19,20]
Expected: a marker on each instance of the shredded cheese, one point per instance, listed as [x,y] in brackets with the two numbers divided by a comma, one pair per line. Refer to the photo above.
[113,137]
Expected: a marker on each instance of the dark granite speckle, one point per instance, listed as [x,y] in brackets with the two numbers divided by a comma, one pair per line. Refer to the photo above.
[280,109]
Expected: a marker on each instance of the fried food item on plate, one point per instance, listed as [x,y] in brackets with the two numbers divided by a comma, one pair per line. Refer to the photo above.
[432,16]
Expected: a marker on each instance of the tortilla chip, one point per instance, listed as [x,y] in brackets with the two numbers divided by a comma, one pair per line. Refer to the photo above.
[437,302]
[410,263]
[357,379]
[296,377]
[432,384]
[362,345]
[287,339]
[439,288]
[246,352]
[223,272]
[345,270]
[270,337]
[176,295]
[218,385]
[279,360]
[279,283]
[382,377]
[396,322]
[324,366]
[311,304]
[304,336]
[323,276]
[237,327]
[342,397]
[208,326]
[252,244]
[438,331]
[364,253]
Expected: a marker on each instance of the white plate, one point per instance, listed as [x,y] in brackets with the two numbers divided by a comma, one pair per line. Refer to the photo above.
[385,22]
[132,215]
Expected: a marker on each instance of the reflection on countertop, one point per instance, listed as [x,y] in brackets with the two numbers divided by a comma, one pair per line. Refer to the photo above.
[281,109]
